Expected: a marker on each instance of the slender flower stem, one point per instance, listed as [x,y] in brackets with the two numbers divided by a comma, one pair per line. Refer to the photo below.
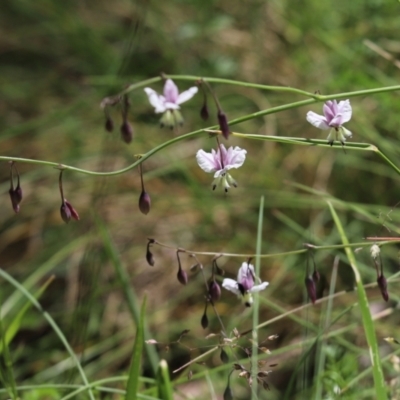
[141,176]
[315,97]
[212,129]
[60,185]
[283,254]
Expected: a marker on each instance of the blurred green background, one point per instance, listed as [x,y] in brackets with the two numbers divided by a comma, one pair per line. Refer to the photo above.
[59,59]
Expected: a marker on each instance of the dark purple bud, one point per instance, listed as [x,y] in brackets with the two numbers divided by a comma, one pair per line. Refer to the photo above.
[204,112]
[223,124]
[16,197]
[182,276]
[204,319]
[311,289]
[109,125]
[382,283]
[68,212]
[214,290]
[149,255]
[126,132]
[228,395]
[224,356]
[144,202]
[316,276]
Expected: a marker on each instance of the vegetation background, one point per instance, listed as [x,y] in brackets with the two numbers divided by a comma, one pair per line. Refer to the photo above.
[58,59]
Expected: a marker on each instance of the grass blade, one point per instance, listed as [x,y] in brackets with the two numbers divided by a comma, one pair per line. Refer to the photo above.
[134,370]
[164,386]
[380,388]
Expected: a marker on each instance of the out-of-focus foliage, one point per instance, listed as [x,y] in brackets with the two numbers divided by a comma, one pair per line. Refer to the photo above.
[58,59]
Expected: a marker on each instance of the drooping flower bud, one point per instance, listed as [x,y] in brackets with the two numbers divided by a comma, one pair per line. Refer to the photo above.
[109,124]
[214,290]
[311,289]
[204,319]
[316,276]
[126,131]
[204,114]
[149,255]
[67,212]
[182,276]
[228,395]
[15,194]
[223,124]
[382,283]
[224,356]
[144,202]
[16,197]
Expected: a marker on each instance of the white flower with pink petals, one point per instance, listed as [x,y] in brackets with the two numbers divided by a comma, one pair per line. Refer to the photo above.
[169,102]
[335,115]
[220,162]
[244,287]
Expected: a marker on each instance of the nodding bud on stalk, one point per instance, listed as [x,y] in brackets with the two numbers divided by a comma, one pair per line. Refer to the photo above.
[228,395]
[311,289]
[316,276]
[181,275]
[109,124]
[204,319]
[382,283]
[204,111]
[223,124]
[149,255]
[16,197]
[126,132]
[224,356]
[15,194]
[144,202]
[67,211]
[214,291]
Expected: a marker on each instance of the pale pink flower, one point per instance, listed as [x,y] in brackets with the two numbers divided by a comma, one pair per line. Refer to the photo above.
[220,162]
[169,102]
[335,115]
[244,286]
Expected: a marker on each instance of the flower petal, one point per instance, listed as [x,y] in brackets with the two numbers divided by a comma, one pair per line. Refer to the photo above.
[344,108]
[231,285]
[245,271]
[258,288]
[206,161]
[171,92]
[171,106]
[187,95]
[155,100]
[234,157]
[317,120]
[329,111]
